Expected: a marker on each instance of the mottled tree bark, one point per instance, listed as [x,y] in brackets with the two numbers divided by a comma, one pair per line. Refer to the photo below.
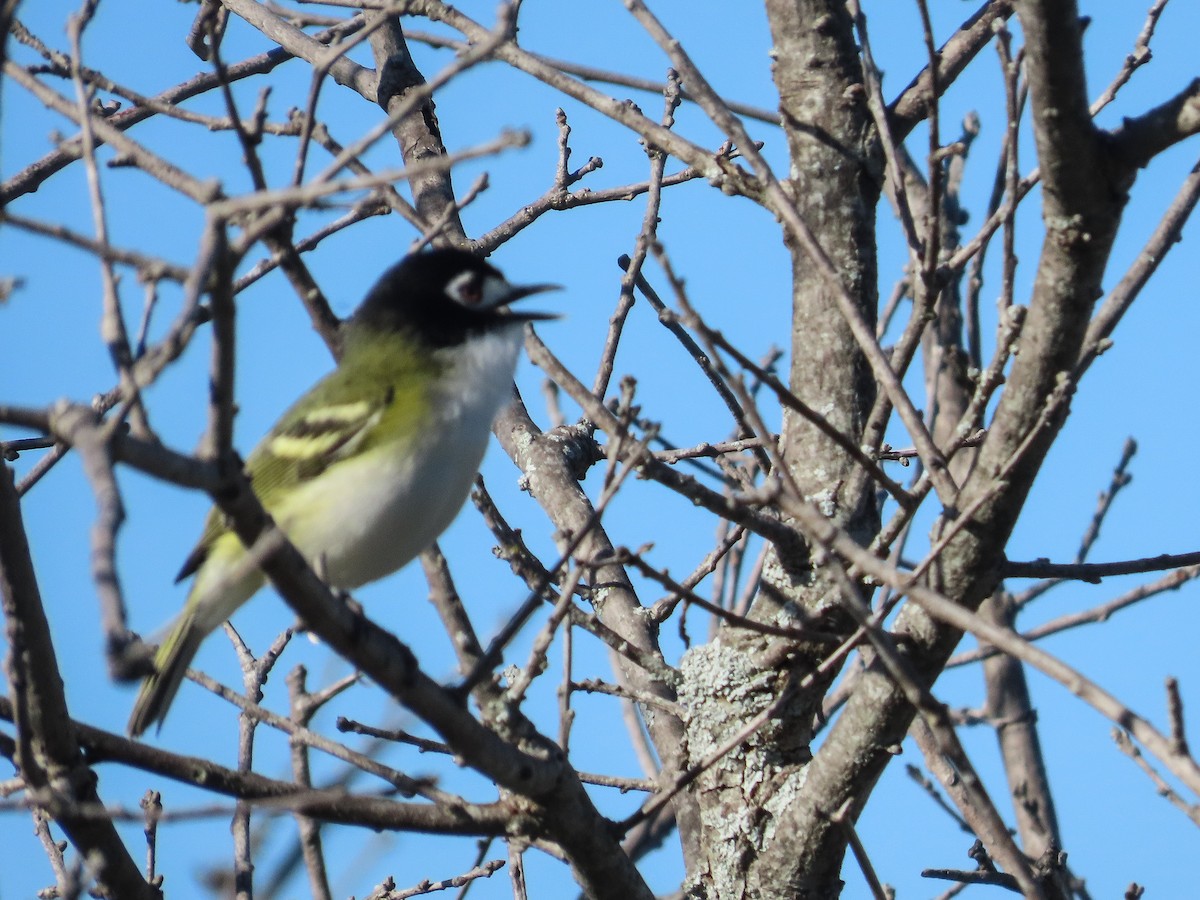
[1084,198]
[834,182]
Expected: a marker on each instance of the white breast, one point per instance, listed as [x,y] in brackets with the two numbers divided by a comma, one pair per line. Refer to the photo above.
[379,511]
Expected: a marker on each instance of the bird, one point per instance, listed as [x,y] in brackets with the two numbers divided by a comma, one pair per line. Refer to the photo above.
[368,467]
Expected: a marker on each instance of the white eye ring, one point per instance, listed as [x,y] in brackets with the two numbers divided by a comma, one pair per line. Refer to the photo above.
[476,291]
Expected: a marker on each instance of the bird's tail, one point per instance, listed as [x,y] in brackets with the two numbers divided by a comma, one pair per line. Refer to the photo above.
[171,664]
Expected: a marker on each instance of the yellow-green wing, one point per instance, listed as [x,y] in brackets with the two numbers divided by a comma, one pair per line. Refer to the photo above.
[378,389]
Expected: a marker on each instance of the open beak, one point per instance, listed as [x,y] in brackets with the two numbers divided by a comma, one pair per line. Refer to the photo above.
[520,292]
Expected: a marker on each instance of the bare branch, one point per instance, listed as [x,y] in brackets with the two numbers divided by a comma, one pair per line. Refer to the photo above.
[47,751]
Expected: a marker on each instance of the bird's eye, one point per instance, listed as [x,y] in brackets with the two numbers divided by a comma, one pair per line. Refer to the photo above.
[466,289]
[479,290]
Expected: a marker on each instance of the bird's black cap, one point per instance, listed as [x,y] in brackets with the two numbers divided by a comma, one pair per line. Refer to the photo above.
[444,296]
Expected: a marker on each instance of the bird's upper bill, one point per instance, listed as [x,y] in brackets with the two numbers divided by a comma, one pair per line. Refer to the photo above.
[517,292]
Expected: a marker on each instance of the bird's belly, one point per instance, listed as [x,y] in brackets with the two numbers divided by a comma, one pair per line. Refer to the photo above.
[377,511]
[380,511]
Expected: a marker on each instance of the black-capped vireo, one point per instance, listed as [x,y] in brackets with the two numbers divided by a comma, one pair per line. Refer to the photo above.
[373,463]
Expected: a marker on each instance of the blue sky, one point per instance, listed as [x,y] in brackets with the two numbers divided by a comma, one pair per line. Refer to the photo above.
[731,254]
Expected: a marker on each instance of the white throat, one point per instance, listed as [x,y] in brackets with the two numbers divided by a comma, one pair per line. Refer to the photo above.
[477,380]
